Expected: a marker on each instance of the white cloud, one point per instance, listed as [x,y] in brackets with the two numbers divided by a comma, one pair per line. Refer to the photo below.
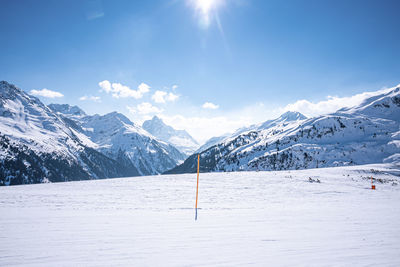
[331,104]
[94,15]
[172,97]
[94,9]
[203,128]
[143,88]
[162,97]
[118,90]
[105,86]
[131,109]
[174,86]
[46,93]
[158,96]
[144,108]
[90,98]
[209,105]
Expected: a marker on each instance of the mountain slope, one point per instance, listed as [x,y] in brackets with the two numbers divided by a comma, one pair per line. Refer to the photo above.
[368,133]
[178,138]
[117,137]
[286,117]
[212,142]
[67,109]
[37,146]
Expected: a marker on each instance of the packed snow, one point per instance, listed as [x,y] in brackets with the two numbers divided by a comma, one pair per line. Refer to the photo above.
[245,218]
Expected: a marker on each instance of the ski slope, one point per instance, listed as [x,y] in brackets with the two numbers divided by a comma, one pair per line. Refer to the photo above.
[245,218]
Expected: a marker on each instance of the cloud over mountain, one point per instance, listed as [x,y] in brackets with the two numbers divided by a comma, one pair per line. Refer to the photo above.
[46,93]
[209,105]
[118,90]
[163,97]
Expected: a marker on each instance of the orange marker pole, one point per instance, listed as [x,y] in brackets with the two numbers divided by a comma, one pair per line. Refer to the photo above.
[197,187]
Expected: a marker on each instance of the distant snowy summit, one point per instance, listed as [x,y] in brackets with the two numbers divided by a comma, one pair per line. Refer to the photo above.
[67,109]
[117,137]
[61,143]
[178,138]
[367,133]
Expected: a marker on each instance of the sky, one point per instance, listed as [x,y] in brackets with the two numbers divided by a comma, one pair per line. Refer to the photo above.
[206,66]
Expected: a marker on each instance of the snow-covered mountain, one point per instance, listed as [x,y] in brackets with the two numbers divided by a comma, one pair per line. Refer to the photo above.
[367,133]
[178,138]
[67,110]
[288,116]
[38,146]
[212,142]
[118,138]
[60,143]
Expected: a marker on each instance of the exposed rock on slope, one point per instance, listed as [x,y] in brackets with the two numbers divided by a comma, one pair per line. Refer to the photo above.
[37,146]
[117,137]
[54,143]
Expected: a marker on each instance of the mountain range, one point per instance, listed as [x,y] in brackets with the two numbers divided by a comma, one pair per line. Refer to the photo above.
[366,133]
[117,137]
[62,143]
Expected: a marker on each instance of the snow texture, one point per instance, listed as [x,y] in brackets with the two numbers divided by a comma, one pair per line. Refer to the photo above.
[275,218]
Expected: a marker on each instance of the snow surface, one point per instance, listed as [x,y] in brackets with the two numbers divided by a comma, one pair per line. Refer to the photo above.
[245,218]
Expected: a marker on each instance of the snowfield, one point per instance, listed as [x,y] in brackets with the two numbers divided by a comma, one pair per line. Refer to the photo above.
[245,218]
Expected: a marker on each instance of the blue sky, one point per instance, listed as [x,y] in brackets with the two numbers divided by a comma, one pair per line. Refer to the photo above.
[249,60]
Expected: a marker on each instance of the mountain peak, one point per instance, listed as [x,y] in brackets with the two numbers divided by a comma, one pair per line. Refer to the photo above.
[6,85]
[383,104]
[8,90]
[292,116]
[119,116]
[156,119]
[179,138]
[67,109]
[156,122]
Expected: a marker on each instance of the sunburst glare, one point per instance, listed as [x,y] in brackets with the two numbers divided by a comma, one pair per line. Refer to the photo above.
[204,9]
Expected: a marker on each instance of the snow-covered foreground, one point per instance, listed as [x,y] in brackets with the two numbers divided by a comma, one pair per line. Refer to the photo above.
[246,218]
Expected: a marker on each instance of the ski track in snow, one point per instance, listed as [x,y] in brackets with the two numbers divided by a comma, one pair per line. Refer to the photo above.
[245,218]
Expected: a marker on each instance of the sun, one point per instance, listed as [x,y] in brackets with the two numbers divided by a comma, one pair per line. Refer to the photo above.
[205,5]
[203,9]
